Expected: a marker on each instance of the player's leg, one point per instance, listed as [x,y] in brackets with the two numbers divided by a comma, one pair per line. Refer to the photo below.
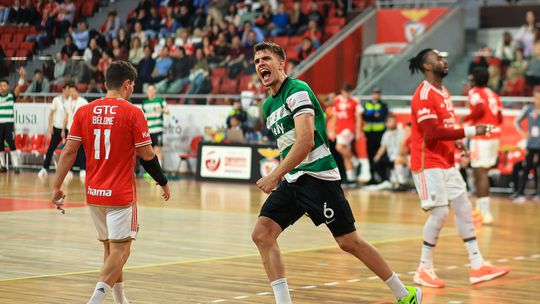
[55,140]
[481,182]
[430,185]
[480,270]
[278,212]
[524,176]
[3,127]
[157,147]
[485,153]
[10,139]
[118,288]
[343,146]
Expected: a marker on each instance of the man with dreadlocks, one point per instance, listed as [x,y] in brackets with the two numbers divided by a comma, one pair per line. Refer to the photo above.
[433,142]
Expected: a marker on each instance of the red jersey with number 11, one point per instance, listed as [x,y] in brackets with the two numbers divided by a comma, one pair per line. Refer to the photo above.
[110,129]
[429,102]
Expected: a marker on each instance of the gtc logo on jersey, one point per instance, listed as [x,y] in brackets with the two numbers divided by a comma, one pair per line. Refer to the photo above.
[99,110]
[99,192]
[423,111]
[145,134]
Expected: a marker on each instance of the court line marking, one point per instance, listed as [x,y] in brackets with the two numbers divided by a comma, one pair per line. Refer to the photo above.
[225,258]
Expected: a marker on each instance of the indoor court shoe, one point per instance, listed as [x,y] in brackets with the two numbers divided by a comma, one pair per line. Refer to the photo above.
[16,170]
[42,173]
[427,277]
[487,218]
[3,169]
[487,272]
[414,297]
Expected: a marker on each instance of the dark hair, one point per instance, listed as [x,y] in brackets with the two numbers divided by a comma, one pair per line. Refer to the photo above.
[69,84]
[273,47]
[347,87]
[480,77]
[416,64]
[4,80]
[38,71]
[118,72]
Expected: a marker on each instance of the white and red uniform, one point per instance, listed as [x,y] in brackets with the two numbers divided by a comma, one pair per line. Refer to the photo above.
[110,129]
[432,146]
[486,108]
[345,111]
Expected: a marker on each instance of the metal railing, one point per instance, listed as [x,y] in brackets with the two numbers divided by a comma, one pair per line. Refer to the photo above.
[414,3]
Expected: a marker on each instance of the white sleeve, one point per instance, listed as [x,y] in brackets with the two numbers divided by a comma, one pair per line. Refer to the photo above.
[300,103]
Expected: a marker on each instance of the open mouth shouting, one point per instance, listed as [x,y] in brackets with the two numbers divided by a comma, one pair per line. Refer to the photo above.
[265,75]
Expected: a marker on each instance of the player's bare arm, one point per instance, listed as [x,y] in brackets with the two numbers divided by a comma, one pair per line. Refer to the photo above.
[146,153]
[304,130]
[67,158]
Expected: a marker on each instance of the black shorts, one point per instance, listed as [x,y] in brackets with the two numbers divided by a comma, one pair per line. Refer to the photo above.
[157,139]
[7,134]
[323,201]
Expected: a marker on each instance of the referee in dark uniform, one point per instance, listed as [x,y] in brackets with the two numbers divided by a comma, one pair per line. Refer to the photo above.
[374,117]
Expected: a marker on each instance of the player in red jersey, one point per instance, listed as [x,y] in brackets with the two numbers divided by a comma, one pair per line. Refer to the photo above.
[347,121]
[486,108]
[434,140]
[112,132]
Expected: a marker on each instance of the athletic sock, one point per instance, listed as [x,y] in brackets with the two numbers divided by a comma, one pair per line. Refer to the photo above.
[350,175]
[474,254]
[397,287]
[3,159]
[401,173]
[98,297]
[281,291]
[118,294]
[482,204]
[426,259]
[14,158]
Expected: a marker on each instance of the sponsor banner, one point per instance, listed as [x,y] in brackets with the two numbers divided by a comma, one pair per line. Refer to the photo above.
[405,25]
[227,162]
[31,118]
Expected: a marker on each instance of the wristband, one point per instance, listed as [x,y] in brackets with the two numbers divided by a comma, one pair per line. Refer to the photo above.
[470,131]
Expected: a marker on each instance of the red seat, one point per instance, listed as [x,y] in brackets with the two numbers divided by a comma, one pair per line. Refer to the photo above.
[295,40]
[336,21]
[193,153]
[229,86]
[331,30]
[216,83]
[18,38]
[10,52]
[282,40]
[35,143]
[219,72]
[6,38]
[244,82]
[82,87]
[21,141]
[88,9]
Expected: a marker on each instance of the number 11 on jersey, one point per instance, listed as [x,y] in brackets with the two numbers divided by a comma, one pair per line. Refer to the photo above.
[97,143]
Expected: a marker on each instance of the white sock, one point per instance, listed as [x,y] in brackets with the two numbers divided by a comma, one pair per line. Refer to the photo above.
[14,158]
[482,204]
[281,291]
[118,294]
[401,173]
[474,254]
[426,259]
[350,175]
[98,297]
[397,287]
[3,159]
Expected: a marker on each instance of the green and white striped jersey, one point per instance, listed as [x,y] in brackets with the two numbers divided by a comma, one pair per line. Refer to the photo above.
[153,110]
[295,97]
[7,113]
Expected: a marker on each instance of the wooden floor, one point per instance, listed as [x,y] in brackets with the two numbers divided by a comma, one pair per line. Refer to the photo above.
[197,249]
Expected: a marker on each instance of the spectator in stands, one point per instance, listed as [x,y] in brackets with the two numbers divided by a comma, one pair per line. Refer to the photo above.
[314,33]
[532,134]
[526,35]
[119,52]
[264,18]
[532,75]
[280,20]
[207,47]
[374,114]
[39,83]
[58,120]
[298,20]
[65,16]
[199,19]
[4,15]
[59,69]
[124,38]
[82,36]
[182,17]
[92,54]
[495,77]
[145,69]
[140,33]
[184,40]
[166,43]
[505,51]
[221,50]
[104,62]
[520,63]
[200,83]
[151,28]
[69,48]
[163,63]
[514,84]
[32,14]
[247,29]
[315,15]
[232,15]
[17,13]
[236,60]
[136,52]
[178,74]
[303,51]
[167,23]
[481,60]
[388,152]
[112,25]
[93,87]
[78,69]
[234,123]
[238,113]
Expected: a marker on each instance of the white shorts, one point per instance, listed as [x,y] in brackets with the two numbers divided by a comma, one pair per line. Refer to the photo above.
[345,137]
[115,224]
[484,152]
[437,186]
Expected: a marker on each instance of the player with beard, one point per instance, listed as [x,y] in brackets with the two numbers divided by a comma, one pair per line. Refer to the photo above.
[312,180]
[434,140]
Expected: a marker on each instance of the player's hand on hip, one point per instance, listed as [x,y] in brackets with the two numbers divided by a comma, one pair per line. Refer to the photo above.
[166,192]
[268,183]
